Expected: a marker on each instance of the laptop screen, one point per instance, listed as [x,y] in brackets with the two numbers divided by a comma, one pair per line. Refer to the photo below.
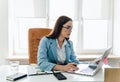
[99,60]
[106,53]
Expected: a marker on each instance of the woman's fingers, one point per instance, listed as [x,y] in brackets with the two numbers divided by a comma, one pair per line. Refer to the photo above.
[72,67]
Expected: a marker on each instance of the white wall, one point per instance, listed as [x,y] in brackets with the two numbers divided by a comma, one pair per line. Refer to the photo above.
[116,42]
[3,30]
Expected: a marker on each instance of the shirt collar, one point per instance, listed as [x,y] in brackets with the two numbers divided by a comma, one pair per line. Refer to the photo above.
[64,43]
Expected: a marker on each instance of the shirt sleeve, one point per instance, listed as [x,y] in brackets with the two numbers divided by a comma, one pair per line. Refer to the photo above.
[43,62]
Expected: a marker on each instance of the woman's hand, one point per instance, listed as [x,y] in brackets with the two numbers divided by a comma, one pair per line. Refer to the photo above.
[70,67]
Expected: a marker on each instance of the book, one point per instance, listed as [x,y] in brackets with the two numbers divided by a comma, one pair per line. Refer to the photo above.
[16,76]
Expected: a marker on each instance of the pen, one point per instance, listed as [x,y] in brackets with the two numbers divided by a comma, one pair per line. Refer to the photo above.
[40,74]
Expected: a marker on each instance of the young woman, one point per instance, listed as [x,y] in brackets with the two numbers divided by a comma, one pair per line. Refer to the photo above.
[55,51]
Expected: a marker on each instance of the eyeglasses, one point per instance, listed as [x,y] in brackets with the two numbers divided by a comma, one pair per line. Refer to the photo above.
[68,27]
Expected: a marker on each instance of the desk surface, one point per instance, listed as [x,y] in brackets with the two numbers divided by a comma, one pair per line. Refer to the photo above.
[5,70]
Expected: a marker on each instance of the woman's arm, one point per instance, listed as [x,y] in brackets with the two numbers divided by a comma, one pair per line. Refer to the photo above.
[70,67]
[72,55]
[43,62]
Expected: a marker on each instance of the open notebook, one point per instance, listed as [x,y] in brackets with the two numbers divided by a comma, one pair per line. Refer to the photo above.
[92,68]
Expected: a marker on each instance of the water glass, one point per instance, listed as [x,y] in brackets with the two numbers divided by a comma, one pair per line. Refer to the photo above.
[14,66]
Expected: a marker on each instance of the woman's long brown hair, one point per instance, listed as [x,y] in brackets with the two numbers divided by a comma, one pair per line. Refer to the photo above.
[58,26]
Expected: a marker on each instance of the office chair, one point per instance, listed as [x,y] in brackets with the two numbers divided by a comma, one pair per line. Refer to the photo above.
[112,75]
[34,37]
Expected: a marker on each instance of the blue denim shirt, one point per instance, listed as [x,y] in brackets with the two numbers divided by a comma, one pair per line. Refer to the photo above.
[47,53]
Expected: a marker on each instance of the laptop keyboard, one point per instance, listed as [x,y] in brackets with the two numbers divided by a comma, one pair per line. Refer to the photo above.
[87,70]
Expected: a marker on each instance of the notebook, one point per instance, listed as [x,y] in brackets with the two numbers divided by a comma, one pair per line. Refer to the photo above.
[34,70]
[92,68]
[16,76]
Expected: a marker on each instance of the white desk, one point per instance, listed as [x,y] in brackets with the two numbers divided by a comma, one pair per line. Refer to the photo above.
[5,70]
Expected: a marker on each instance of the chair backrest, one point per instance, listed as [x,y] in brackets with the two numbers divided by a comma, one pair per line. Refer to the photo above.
[34,37]
[112,75]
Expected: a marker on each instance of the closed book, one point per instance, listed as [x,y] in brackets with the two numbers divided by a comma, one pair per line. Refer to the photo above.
[16,76]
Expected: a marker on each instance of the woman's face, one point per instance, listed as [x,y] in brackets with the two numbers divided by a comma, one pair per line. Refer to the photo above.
[66,29]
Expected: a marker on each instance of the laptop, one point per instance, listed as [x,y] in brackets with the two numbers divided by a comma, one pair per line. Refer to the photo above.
[92,68]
